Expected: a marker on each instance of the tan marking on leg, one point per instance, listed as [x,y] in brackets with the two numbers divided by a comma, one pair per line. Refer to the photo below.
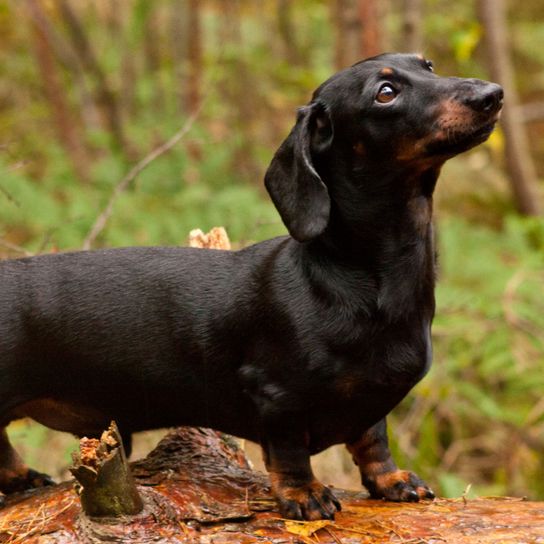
[389,479]
[11,464]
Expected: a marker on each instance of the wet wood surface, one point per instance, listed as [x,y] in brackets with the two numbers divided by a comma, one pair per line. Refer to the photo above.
[197,487]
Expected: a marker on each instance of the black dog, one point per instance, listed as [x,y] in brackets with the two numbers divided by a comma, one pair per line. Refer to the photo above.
[298,342]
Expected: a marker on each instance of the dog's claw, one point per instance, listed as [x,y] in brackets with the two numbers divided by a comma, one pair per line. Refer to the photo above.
[309,502]
[290,509]
[38,479]
[412,496]
[429,494]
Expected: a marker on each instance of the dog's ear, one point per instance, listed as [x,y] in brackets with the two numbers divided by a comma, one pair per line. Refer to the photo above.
[292,181]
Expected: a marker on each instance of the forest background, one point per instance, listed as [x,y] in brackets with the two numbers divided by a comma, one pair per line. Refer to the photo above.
[89,88]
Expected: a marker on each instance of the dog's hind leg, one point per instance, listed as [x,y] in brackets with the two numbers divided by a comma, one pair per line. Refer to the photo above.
[379,473]
[14,474]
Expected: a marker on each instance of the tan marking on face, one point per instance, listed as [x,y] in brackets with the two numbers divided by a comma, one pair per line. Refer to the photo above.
[455,116]
[386,72]
[452,120]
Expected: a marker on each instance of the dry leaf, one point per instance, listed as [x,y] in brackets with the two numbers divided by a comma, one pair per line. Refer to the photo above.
[306,528]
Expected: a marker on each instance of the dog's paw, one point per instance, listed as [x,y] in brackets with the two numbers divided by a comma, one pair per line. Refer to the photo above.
[399,486]
[310,501]
[38,479]
[30,479]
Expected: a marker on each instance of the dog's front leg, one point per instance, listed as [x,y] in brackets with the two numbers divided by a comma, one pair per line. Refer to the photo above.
[380,474]
[299,494]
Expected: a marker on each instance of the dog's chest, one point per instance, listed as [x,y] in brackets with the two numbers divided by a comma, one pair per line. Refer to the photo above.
[405,283]
[368,383]
[394,355]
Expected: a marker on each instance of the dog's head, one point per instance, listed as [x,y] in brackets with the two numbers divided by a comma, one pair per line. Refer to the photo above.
[386,114]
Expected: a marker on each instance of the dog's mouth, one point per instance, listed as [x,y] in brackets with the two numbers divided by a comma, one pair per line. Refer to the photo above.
[451,140]
[482,134]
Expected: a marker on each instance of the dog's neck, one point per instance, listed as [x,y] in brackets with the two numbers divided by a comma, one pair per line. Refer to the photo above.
[372,223]
[387,246]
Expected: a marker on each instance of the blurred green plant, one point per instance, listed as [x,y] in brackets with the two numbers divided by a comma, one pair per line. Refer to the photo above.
[160,209]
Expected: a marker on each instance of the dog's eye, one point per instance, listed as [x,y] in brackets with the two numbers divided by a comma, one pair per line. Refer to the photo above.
[429,64]
[386,94]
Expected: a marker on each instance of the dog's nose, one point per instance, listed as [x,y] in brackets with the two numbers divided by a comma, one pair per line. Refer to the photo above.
[486,98]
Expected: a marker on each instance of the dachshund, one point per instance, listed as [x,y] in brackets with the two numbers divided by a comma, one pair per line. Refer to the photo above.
[298,342]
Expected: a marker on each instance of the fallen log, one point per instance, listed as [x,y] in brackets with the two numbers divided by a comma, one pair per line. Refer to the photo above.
[197,487]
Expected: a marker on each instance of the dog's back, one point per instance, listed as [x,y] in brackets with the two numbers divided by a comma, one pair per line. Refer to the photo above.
[144,335]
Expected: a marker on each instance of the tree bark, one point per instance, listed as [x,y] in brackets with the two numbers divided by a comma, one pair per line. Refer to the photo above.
[519,162]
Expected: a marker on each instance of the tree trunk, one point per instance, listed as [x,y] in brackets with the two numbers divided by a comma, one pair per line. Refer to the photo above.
[193,80]
[240,91]
[412,24]
[105,96]
[359,30]
[178,17]
[347,24]
[519,162]
[371,28]
[152,51]
[287,32]
[63,118]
